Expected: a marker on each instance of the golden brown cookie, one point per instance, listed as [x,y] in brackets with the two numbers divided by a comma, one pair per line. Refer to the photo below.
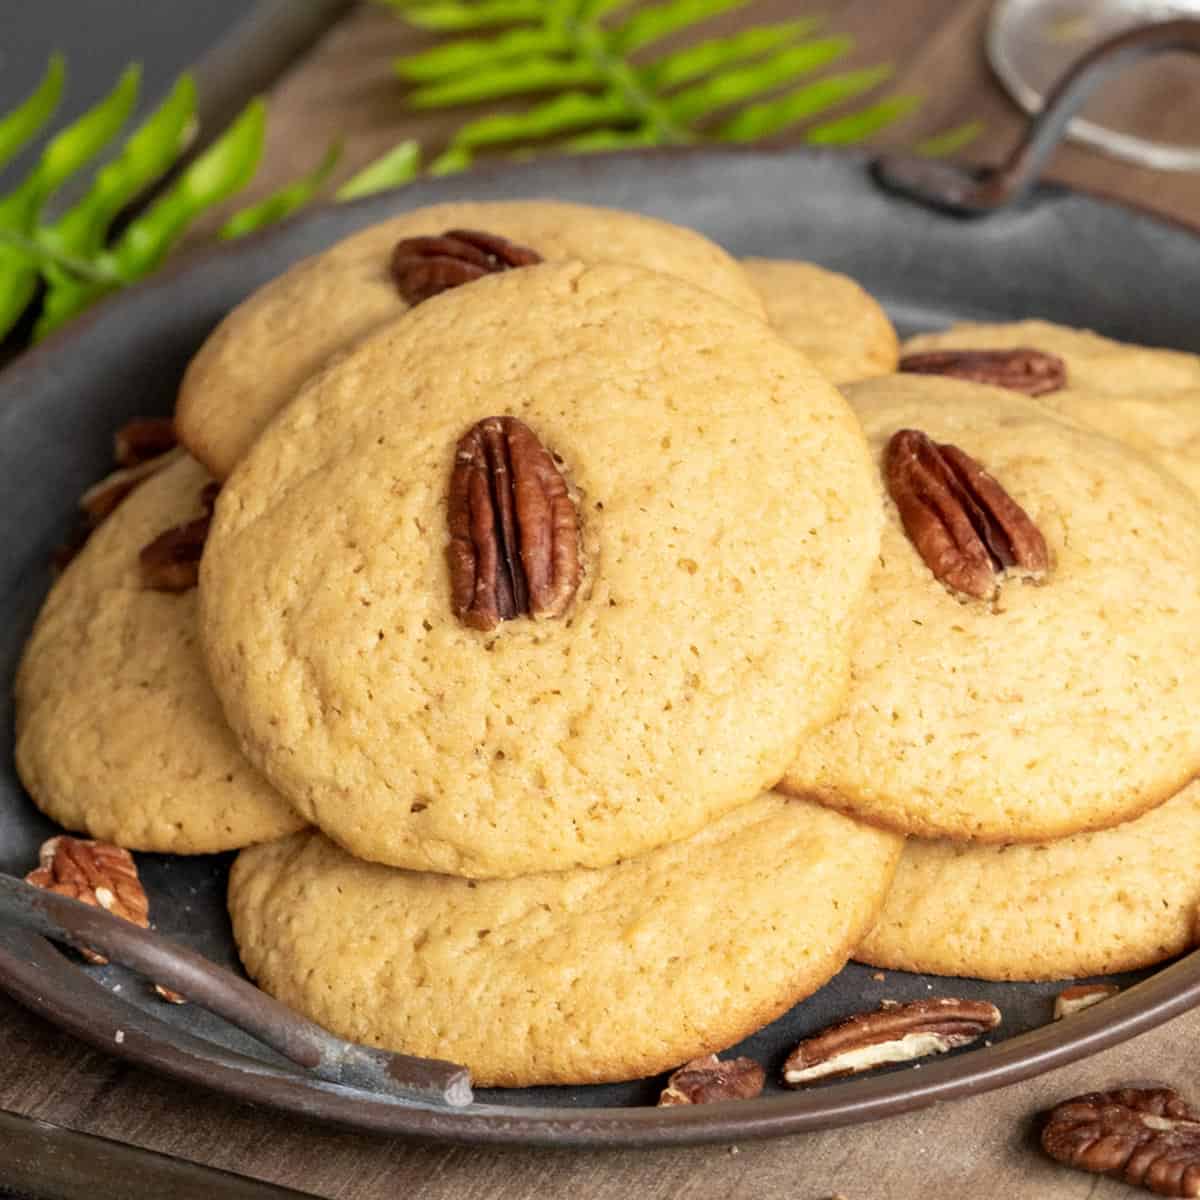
[1091,904]
[839,325]
[582,976]
[728,516]
[1051,709]
[119,734]
[258,357]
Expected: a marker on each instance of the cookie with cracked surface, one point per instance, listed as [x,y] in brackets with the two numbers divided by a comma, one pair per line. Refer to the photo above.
[1058,707]
[583,976]
[119,734]
[257,358]
[1092,904]
[728,515]
[837,323]
[1094,363]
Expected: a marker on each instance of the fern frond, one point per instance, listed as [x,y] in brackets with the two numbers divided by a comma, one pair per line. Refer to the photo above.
[284,201]
[472,54]
[451,17]
[694,62]
[574,110]
[650,25]
[858,126]
[537,73]
[394,169]
[28,119]
[950,141]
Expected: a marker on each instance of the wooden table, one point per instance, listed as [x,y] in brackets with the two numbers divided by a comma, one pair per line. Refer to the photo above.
[979,1147]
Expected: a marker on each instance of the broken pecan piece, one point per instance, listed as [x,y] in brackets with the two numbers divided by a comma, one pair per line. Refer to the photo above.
[967,529]
[142,439]
[424,266]
[894,1033]
[171,562]
[514,531]
[709,1079]
[1147,1136]
[1023,369]
[1083,995]
[101,499]
[97,873]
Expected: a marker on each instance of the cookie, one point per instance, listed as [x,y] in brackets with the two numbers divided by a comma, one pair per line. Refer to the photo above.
[1094,363]
[1057,708]
[728,517]
[1092,904]
[583,976]
[839,325]
[119,734]
[270,344]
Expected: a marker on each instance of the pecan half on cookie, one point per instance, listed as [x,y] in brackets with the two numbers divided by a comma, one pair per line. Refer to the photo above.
[514,531]
[1023,369]
[424,266]
[968,530]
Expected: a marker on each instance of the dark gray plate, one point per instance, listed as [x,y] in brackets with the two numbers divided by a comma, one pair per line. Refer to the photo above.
[1064,256]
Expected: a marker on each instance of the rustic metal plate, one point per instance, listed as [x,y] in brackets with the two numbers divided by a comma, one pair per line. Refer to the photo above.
[1063,255]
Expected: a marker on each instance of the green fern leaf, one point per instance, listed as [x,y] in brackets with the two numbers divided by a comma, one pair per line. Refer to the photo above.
[951,141]
[574,110]
[735,86]
[653,24]
[394,169]
[859,126]
[685,66]
[151,150]
[766,120]
[451,17]
[535,74]
[455,58]
[451,161]
[31,115]
[223,169]
[283,202]
[599,140]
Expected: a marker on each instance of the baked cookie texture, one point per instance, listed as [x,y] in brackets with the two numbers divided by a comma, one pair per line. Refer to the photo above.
[1091,904]
[1065,707]
[1094,363]
[258,357]
[582,976]
[119,734]
[838,324]
[729,518]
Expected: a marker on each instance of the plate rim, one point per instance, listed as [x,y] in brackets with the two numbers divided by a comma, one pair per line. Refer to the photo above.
[1169,992]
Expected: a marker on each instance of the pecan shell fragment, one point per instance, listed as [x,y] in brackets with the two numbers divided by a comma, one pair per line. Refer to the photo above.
[967,529]
[1034,372]
[96,873]
[709,1079]
[171,562]
[424,266]
[1147,1136]
[894,1033]
[514,531]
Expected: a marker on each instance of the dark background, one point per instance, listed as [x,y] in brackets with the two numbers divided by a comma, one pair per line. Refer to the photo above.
[99,37]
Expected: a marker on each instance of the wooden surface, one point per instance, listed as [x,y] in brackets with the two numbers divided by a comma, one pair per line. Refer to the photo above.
[980,1147]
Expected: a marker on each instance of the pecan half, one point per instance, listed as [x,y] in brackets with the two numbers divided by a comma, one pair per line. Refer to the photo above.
[1075,999]
[424,266]
[1034,372]
[171,562]
[143,438]
[708,1079]
[514,531]
[1147,1136]
[968,530]
[97,873]
[892,1034]
[101,499]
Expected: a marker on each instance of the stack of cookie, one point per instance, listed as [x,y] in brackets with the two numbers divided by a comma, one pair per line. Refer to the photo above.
[540,558]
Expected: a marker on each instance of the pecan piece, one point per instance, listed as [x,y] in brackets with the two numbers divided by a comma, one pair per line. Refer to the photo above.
[424,266]
[97,873]
[1075,999]
[968,530]
[1034,372]
[1147,1136]
[101,499]
[142,439]
[891,1034]
[171,562]
[514,531]
[707,1080]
